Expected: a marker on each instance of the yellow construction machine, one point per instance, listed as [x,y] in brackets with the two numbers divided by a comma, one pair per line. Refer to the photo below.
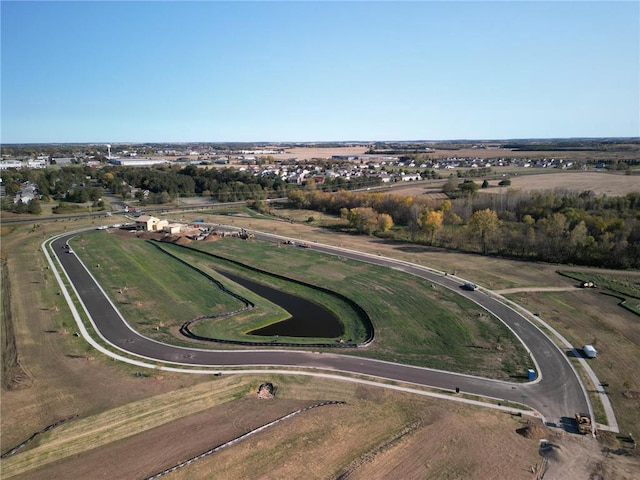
[584,422]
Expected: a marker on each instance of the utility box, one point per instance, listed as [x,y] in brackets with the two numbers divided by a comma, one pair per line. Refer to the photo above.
[531,374]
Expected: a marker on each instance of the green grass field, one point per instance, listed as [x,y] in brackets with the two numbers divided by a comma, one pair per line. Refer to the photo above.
[415,321]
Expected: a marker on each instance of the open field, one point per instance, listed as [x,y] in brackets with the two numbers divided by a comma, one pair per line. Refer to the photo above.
[600,183]
[414,436]
[63,377]
[306,153]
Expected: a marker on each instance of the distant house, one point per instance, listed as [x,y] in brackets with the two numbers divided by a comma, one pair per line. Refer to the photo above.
[150,224]
[28,191]
[296,178]
[5,164]
[410,177]
[36,163]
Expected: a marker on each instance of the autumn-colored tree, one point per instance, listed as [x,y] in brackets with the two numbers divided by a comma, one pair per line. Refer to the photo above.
[445,206]
[297,198]
[431,222]
[484,224]
[553,239]
[364,220]
[385,222]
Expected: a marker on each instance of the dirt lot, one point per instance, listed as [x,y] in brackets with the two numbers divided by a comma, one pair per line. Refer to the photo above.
[402,437]
[160,448]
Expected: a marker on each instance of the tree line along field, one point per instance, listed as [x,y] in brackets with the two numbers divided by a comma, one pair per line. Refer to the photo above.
[415,322]
[559,226]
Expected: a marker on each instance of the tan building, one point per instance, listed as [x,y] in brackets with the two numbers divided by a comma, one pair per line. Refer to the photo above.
[173,228]
[150,224]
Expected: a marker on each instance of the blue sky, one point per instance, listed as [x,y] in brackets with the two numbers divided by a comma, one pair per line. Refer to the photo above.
[317,71]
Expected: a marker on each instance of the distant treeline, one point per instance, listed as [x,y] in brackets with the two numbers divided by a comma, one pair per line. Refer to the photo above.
[567,228]
[160,185]
[577,144]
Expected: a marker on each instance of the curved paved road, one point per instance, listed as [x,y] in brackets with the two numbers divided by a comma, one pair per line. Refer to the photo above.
[557,394]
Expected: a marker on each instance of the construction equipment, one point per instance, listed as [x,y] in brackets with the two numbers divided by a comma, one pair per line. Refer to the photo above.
[246,235]
[584,423]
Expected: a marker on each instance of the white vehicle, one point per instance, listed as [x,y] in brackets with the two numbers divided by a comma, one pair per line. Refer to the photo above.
[590,351]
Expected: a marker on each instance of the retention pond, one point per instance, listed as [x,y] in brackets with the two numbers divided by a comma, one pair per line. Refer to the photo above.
[308,319]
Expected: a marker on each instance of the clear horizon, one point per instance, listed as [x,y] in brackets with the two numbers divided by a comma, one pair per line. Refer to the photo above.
[311,142]
[303,72]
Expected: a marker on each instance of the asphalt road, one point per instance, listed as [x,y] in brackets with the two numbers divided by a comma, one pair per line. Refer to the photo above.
[557,395]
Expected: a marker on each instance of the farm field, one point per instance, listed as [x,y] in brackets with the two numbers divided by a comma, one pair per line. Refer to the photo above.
[307,153]
[600,183]
[57,376]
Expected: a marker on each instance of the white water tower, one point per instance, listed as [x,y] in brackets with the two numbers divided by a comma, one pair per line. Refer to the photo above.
[109,150]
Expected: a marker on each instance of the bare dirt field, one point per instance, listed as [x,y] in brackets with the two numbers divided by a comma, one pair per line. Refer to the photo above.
[376,434]
[306,153]
[160,448]
[494,152]
[337,442]
[600,183]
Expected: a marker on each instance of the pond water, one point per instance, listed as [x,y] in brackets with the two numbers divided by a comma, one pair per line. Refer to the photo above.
[308,319]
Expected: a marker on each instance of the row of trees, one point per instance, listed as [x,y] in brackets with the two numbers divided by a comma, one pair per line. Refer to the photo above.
[33,207]
[57,184]
[560,227]
[225,185]
[163,184]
